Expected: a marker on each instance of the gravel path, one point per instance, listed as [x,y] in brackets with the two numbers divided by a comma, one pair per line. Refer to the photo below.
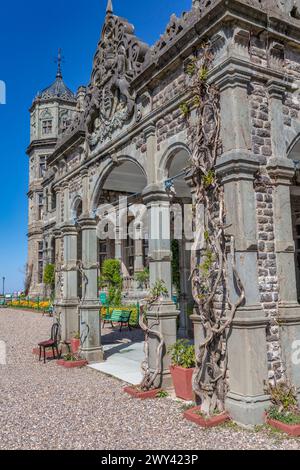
[49,407]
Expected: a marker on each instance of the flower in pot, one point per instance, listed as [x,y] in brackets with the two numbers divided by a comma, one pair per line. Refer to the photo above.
[75,343]
[182,368]
[284,413]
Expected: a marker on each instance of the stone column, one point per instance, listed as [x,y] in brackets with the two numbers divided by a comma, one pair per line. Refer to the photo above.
[196,248]
[138,256]
[281,171]
[58,264]
[69,303]
[247,348]
[90,325]
[247,353]
[164,310]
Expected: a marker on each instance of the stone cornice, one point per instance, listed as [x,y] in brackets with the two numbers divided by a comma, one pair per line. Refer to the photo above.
[282,28]
[41,144]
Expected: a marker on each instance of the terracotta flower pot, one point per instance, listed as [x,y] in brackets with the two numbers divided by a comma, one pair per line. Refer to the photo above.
[75,345]
[72,364]
[182,381]
[291,429]
[136,393]
[194,417]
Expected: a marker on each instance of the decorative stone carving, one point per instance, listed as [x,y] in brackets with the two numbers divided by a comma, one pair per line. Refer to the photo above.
[109,101]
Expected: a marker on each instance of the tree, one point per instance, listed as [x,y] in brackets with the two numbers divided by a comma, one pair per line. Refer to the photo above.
[49,277]
[111,277]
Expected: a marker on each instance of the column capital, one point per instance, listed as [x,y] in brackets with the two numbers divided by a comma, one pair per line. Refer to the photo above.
[233,76]
[277,89]
[84,171]
[87,222]
[65,184]
[150,130]
[281,170]
[57,232]
[68,229]
[237,165]
[155,193]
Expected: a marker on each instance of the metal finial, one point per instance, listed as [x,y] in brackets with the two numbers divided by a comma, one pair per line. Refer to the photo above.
[109,8]
[59,61]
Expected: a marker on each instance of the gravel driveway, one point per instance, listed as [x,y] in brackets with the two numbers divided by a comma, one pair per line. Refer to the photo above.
[49,407]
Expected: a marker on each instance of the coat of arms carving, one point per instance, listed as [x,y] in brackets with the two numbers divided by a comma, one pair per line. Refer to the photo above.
[109,101]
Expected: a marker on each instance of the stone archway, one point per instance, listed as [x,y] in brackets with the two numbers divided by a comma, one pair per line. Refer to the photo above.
[176,162]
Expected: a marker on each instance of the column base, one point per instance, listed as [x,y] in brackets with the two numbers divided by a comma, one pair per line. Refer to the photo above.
[90,329]
[247,410]
[93,355]
[69,318]
[289,321]
[166,314]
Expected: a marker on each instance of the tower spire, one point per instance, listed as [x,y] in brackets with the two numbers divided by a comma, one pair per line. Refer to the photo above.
[109,8]
[59,61]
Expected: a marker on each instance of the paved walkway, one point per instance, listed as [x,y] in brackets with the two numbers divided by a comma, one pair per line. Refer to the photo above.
[49,407]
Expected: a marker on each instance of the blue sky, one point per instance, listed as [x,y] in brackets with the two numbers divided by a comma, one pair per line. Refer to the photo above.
[31,33]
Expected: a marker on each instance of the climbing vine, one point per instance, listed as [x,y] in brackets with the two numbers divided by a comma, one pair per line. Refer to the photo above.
[213,262]
[150,377]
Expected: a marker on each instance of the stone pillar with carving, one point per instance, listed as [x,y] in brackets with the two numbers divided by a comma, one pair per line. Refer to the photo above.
[236,168]
[281,171]
[163,311]
[69,302]
[90,322]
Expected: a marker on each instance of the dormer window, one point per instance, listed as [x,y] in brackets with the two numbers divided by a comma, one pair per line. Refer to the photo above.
[47,126]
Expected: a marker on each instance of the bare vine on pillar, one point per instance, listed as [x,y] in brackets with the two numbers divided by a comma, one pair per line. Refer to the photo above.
[150,376]
[212,270]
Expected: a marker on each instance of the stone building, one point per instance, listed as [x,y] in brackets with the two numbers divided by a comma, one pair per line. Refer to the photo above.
[125,136]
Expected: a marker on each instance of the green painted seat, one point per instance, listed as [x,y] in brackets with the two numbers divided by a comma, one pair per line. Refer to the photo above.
[3,303]
[119,316]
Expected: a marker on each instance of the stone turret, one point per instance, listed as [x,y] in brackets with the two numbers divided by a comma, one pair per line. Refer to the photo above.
[50,114]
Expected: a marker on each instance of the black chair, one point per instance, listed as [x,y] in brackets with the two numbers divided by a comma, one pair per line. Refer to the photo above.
[50,343]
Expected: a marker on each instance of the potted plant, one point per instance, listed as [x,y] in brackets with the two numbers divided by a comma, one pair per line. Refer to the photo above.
[284,413]
[75,343]
[71,360]
[182,368]
[197,416]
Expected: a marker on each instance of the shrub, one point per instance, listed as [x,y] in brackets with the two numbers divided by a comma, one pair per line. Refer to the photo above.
[182,354]
[111,277]
[143,278]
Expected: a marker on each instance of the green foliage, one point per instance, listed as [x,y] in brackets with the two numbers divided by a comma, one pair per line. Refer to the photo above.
[175,265]
[143,278]
[49,278]
[184,108]
[162,394]
[206,236]
[208,179]
[111,277]
[159,289]
[182,354]
[203,74]
[283,396]
[191,68]
[70,357]
[207,264]
[286,417]
[76,335]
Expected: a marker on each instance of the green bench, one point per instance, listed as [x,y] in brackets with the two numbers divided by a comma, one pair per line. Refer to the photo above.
[3,303]
[48,311]
[118,316]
